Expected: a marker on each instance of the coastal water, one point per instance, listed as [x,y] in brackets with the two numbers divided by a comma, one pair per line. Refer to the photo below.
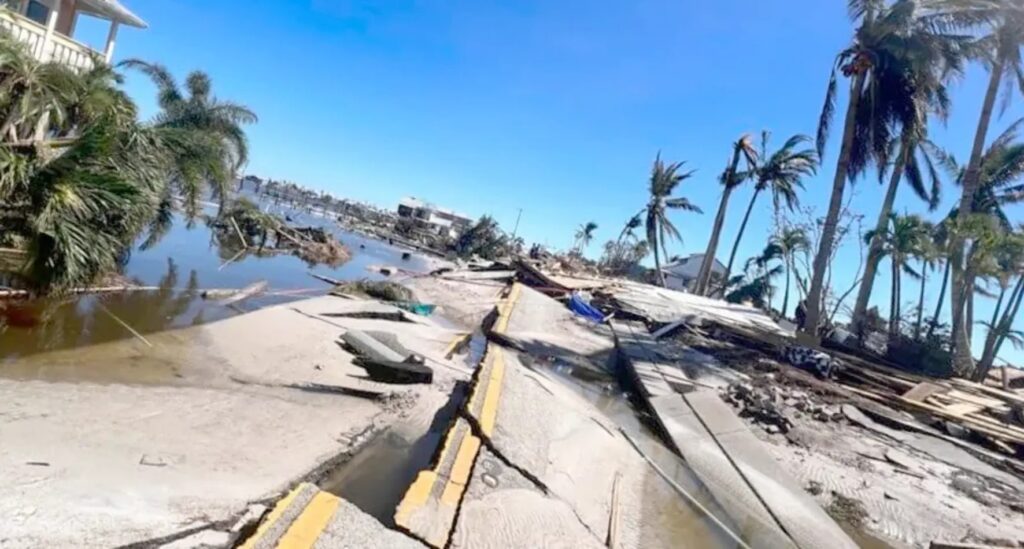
[185,262]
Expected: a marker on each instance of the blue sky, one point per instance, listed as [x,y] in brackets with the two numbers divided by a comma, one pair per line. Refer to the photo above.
[555,107]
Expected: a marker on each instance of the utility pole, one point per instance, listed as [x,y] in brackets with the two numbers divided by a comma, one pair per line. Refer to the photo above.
[516,229]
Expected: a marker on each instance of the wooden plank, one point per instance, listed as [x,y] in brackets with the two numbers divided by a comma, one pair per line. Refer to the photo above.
[922,390]
[984,402]
[1007,396]
[798,514]
[1012,434]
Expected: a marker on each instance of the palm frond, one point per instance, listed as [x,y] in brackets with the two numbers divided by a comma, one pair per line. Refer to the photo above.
[828,111]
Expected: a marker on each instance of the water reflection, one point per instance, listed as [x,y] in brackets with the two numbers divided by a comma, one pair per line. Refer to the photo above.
[61,323]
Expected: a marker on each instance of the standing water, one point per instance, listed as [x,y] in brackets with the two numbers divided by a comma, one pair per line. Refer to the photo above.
[185,262]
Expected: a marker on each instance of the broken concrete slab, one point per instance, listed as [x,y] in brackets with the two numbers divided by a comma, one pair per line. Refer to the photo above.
[502,508]
[798,514]
[544,328]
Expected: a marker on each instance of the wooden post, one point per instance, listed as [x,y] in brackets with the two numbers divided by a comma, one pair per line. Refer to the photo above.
[1006,378]
[108,52]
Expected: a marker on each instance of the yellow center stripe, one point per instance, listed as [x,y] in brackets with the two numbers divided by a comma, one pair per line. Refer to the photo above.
[506,309]
[273,517]
[489,411]
[311,523]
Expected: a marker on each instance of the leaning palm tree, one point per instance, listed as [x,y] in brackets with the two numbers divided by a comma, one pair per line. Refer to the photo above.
[1001,55]
[917,160]
[584,236]
[629,230]
[1008,258]
[781,173]
[903,238]
[730,180]
[663,182]
[882,63]
[206,133]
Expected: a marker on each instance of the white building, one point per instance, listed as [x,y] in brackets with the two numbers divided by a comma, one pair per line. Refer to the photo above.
[47,27]
[429,217]
[681,274]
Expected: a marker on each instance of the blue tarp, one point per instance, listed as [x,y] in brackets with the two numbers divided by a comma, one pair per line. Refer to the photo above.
[580,306]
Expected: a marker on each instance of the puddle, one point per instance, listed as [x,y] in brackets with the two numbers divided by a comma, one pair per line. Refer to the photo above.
[376,478]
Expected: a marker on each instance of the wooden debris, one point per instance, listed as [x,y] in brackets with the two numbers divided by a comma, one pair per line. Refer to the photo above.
[124,324]
[245,293]
[241,237]
[921,391]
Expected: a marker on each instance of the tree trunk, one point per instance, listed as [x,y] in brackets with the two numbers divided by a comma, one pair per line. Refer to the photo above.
[739,236]
[785,296]
[828,233]
[962,359]
[875,249]
[657,265]
[704,275]
[942,299]
[969,313]
[894,301]
[920,302]
[998,332]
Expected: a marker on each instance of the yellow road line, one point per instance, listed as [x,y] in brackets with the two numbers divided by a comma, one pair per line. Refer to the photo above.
[506,307]
[489,411]
[273,517]
[419,492]
[304,532]
[459,477]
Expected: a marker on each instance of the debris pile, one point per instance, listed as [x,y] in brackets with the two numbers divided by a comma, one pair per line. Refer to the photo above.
[775,406]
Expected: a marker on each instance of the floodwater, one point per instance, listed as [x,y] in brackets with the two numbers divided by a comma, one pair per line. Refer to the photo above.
[187,261]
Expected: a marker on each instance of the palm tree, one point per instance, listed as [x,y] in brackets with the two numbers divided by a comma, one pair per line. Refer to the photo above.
[730,179]
[206,133]
[917,160]
[629,230]
[584,235]
[80,177]
[790,242]
[1000,176]
[1001,54]
[781,173]
[663,182]
[883,63]
[940,246]
[903,238]
[929,254]
[1008,258]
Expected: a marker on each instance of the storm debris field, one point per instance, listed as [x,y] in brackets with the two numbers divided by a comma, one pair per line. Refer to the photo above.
[510,416]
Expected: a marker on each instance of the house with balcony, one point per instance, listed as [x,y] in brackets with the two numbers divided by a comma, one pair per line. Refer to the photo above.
[430,218]
[47,27]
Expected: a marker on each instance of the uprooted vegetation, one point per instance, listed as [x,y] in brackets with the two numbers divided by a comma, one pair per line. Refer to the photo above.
[382,290]
[243,226]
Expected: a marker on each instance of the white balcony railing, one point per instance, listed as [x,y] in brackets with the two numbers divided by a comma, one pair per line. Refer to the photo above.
[58,48]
